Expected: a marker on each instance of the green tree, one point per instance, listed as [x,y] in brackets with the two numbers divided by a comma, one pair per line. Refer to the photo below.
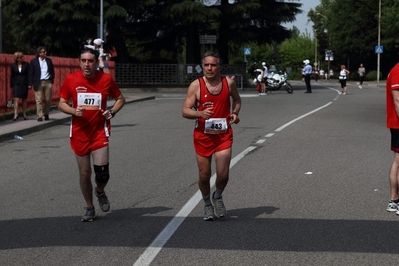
[155,29]
[252,21]
[60,25]
[295,50]
[389,31]
[350,30]
[169,25]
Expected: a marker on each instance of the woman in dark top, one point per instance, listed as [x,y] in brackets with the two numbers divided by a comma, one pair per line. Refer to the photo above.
[19,83]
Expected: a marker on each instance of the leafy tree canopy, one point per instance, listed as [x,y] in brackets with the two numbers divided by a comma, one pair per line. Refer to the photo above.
[152,28]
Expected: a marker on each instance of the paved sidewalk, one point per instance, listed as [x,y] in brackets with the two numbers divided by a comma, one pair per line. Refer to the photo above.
[9,128]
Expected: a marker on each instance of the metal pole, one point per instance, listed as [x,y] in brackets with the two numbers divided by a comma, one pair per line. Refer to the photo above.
[328,75]
[1,28]
[315,49]
[379,41]
[101,20]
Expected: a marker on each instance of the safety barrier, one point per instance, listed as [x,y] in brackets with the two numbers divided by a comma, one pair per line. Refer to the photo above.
[173,75]
[238,79]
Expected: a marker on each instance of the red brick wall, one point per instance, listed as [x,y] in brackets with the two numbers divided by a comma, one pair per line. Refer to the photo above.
[62,67]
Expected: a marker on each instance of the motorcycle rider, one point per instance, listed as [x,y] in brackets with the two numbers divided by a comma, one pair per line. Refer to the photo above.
[264,79]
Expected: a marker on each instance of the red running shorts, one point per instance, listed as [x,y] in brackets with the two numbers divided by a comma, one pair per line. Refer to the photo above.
[85,147]
[207,144]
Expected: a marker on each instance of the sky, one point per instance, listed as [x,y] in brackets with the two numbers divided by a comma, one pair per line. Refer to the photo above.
[302,20]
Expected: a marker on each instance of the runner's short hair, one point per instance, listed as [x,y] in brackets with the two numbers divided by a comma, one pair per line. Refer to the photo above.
[213,54]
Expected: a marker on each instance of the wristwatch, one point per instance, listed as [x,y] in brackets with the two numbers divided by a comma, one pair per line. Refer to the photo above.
[112,112]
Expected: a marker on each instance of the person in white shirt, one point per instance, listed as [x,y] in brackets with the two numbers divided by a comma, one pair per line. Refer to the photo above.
[258,79]
[362,72]
[264,79]
[321,72]
[41,78]
[102,59]
[343,76]
[307,71]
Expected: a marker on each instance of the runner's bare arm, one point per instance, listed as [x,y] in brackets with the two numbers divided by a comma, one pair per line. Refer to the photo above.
[64,107]
[236,104]
[190,101]
[395,95]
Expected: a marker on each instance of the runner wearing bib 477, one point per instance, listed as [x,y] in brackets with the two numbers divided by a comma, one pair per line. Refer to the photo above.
[88,91]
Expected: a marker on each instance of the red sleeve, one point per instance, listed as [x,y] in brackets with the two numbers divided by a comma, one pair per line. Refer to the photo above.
[114,91]
[65,92]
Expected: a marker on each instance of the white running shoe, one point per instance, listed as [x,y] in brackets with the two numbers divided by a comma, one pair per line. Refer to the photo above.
[392,207]
[209,213]
[89,215]
[220,209]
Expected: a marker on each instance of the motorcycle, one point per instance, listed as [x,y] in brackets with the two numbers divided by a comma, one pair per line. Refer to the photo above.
[274,81]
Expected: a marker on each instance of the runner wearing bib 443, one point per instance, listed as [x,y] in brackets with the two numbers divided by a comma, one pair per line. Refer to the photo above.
[208,102]
[213,134]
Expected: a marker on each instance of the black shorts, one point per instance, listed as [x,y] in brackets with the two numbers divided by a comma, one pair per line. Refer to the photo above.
[394,139]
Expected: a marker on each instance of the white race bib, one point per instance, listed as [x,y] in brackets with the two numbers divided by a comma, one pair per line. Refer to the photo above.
[90,101]
[216,126]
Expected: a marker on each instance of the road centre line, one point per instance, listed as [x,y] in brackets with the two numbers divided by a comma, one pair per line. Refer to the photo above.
[155,247]
[302,116]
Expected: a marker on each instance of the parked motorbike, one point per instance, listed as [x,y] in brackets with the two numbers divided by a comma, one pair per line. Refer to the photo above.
[275,81]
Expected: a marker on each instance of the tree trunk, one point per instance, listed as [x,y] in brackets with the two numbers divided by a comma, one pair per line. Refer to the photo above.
[193,51]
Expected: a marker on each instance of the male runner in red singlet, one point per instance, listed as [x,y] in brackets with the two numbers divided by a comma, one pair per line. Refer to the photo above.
[210,98]
[88,90]
[392,102]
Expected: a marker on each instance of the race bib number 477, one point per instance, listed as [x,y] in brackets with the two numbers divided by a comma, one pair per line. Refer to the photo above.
[90,101]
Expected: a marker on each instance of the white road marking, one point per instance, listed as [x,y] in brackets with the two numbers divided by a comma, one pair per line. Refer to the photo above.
[302,116]
[155,247]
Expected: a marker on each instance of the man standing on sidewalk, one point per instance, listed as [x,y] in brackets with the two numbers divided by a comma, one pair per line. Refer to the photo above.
[88,90]
[41,75]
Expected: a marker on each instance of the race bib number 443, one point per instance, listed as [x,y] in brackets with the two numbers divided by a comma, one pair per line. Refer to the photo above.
[216,126]
[90,101]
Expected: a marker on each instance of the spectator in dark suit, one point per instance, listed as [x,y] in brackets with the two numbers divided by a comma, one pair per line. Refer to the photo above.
[19,83]
[41,76]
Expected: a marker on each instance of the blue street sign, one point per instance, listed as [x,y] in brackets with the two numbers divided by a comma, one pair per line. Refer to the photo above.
[247,51]
[379,49]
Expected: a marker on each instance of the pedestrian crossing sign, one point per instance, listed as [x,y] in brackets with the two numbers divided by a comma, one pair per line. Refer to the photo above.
[247,51]
[379,49]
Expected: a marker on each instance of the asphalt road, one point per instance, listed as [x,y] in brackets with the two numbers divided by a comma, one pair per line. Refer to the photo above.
[308,186]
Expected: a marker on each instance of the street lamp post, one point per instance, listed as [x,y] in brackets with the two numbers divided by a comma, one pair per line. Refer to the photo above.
[101,20]
[328,52]
[379,41]
[1,28]
[315,49]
